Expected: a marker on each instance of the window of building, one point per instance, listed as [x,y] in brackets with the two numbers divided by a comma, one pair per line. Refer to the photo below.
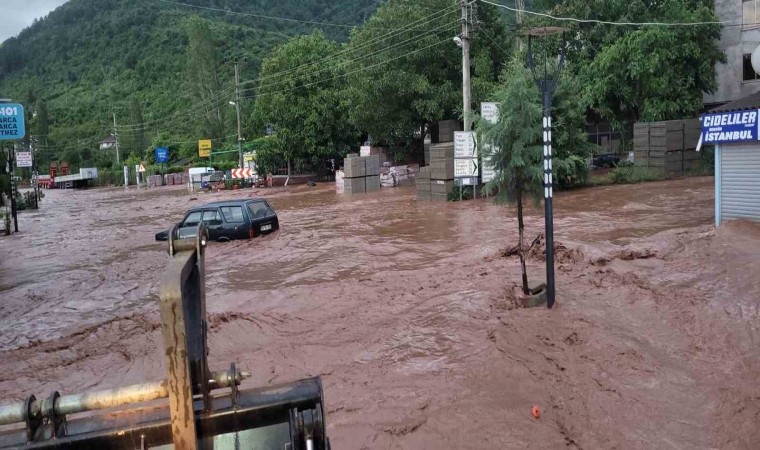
[750,13]
[748,70]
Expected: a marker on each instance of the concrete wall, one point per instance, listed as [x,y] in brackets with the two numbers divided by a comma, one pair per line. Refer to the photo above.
[735,42]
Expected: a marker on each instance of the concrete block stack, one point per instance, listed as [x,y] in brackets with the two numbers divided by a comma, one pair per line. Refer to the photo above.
[423,184]
[441,170]
[354,173]
[372,169]
[439,189]
[443,131]
[155,180]
[361,174]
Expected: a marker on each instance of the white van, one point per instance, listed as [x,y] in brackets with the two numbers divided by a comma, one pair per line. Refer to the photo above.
[199,171]
[196,174]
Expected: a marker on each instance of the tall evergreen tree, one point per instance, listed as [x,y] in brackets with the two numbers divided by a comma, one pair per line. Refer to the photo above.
[513,146]
[203,80]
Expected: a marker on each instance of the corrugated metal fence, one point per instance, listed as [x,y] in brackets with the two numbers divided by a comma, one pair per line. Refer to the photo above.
[668,147]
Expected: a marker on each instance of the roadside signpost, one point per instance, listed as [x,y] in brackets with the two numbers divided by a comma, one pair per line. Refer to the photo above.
[489,111]
[12,128]
[23,159]
[162,155]
[242,173]
[204,148]
[465,158]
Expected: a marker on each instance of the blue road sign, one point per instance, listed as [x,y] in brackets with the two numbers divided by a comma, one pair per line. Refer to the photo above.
[11,122]
[162,155]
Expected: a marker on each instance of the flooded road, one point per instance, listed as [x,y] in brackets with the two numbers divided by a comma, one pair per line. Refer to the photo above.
[406,310]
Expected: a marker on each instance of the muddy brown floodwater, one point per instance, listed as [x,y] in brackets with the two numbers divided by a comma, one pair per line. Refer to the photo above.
[406,311]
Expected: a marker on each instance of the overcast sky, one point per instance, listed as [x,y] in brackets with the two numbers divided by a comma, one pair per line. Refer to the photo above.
[15,15]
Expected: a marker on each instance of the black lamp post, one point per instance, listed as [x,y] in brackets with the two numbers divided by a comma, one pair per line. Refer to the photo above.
[547,83]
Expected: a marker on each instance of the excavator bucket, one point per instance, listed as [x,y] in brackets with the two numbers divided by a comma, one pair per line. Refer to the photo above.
[193,408]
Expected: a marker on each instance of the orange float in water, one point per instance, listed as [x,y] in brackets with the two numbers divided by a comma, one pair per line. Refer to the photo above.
[536,412]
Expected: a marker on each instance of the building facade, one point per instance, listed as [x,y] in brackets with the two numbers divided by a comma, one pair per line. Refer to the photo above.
[739,38]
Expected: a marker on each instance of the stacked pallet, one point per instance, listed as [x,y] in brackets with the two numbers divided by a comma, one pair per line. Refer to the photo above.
[668,147]
[423,184]
[354,173]
[155,181]
[443,131]
[441,170]
[361,174]
[372,165]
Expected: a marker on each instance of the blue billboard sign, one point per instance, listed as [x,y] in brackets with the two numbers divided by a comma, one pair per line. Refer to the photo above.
[162,155]
[11,122]
[735,126]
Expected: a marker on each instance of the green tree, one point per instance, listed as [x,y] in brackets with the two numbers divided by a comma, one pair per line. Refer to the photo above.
[204,84]
[571,147]
[42,121]
[513,146]
[134,138]
[644,73]
[302,96]
[402,80]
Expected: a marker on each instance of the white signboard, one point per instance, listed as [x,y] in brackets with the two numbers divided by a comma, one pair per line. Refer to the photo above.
[489,111]
[23,159]
[488,172]
[465,167]
[464,144]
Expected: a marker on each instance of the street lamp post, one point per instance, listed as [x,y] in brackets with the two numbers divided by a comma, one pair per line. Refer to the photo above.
[547,83]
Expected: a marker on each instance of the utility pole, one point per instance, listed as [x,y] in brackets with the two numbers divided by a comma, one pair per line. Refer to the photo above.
[116,136]
[520,7]
[466,92]
[237,110]
[12,174]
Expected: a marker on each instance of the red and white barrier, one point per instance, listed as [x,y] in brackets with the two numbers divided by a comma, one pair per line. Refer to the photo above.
[242,173]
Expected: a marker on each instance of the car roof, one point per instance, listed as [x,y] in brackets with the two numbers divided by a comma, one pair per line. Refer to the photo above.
[228,203]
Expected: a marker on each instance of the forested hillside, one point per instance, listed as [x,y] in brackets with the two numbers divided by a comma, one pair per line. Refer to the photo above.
[326,75]
[91,58]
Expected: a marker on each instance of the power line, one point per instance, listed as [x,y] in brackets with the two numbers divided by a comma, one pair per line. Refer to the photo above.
[203,103]
[358,70]
[482,30]
[604,22]
[260,16]
[409,27]
[187,112]
[382,50]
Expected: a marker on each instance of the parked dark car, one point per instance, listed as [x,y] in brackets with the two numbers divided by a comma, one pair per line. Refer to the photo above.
[606,160]
[227,220]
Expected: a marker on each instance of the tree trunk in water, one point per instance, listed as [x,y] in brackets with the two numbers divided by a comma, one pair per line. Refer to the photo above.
[287,180]
[521,227]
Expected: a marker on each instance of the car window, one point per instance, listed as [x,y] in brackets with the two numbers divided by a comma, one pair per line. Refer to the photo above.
[212,217]
[192,219]
[233,213]
[260,210]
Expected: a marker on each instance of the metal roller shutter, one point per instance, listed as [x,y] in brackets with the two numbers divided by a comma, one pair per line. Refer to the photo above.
[740,182]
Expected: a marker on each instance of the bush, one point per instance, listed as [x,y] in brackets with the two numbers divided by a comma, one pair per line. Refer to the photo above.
[465,191]
[634,174]
[110,177]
